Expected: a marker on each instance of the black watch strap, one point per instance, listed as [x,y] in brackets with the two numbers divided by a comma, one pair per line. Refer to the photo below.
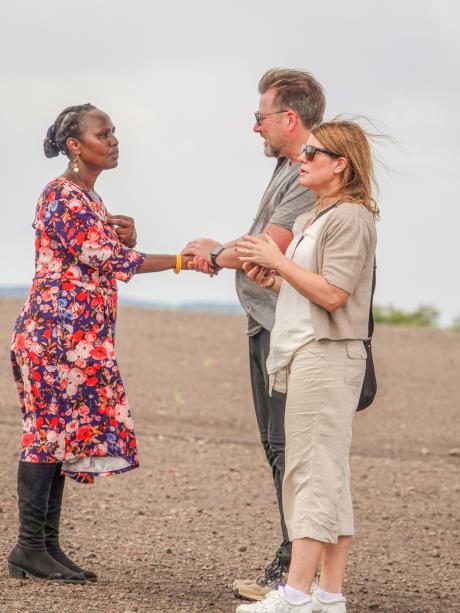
[215,254]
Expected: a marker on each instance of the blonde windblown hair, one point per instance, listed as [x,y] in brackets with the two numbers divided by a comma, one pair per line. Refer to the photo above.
[350,140]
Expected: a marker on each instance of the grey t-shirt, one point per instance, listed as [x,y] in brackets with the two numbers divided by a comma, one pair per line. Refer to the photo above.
[283,201]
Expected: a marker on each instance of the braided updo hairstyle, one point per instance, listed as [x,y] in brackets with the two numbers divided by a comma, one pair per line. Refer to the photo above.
[67,125]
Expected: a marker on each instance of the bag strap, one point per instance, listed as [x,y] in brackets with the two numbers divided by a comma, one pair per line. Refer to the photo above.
[370,329]
[323,212]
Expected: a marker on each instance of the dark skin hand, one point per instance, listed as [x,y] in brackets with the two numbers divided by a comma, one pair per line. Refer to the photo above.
[125,229]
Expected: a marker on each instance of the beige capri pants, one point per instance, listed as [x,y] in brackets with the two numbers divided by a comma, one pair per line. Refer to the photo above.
[323,383]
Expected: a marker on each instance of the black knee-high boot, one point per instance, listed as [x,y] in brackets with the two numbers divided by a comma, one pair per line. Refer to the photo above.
[30,557]
[53,516]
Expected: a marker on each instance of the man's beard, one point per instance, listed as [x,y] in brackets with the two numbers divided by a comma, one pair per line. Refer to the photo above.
[273,150]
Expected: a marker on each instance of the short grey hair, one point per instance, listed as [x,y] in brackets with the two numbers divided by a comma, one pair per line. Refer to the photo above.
[297,90]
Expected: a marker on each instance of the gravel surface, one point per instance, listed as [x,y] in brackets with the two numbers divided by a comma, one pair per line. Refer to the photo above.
[172,535]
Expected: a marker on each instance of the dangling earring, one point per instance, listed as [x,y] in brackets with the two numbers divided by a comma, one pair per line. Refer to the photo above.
[75,164]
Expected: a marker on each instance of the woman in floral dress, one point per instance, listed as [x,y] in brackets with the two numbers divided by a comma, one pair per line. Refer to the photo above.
[76,416]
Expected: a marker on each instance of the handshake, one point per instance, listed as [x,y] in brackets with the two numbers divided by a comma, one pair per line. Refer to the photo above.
[259,257]
[204,252]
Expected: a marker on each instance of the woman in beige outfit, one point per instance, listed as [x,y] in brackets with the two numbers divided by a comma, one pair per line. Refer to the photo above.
[316,353]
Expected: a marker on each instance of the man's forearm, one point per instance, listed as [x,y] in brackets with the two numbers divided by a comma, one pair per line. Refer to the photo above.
[228,258]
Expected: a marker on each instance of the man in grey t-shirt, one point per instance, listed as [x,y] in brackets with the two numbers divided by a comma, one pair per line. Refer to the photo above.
[291,102]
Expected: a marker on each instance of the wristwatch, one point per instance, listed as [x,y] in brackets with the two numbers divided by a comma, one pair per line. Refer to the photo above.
[215,254]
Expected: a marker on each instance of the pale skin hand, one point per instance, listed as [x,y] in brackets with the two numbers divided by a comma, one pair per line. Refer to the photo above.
[315,287]
[262,276]
[125,229]
[201,248]
[262,251]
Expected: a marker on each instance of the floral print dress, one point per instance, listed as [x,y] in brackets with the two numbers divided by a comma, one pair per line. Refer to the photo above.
[73,402]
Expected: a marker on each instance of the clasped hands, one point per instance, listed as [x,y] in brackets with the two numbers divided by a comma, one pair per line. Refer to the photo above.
[260,257]
[200,249]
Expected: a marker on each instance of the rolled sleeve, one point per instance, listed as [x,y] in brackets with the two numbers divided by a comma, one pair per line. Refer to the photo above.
[346,251]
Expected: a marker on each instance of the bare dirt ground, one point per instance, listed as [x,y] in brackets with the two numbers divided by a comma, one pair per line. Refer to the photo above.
[171,536]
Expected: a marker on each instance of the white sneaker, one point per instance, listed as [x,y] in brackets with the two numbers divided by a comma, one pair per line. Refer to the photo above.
[328,606]
[275,602]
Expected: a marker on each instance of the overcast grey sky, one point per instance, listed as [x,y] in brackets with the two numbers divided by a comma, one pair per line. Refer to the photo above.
[179,80]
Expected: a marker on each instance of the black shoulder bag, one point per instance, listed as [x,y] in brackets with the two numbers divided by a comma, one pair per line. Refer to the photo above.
[369,389]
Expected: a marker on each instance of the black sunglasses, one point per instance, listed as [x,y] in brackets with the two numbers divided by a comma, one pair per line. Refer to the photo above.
[309,152]
[260,117]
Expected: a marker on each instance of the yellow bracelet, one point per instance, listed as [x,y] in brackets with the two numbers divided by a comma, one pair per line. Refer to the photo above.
[178,266]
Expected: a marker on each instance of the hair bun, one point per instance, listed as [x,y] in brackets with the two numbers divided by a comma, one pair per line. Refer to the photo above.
[49,145]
